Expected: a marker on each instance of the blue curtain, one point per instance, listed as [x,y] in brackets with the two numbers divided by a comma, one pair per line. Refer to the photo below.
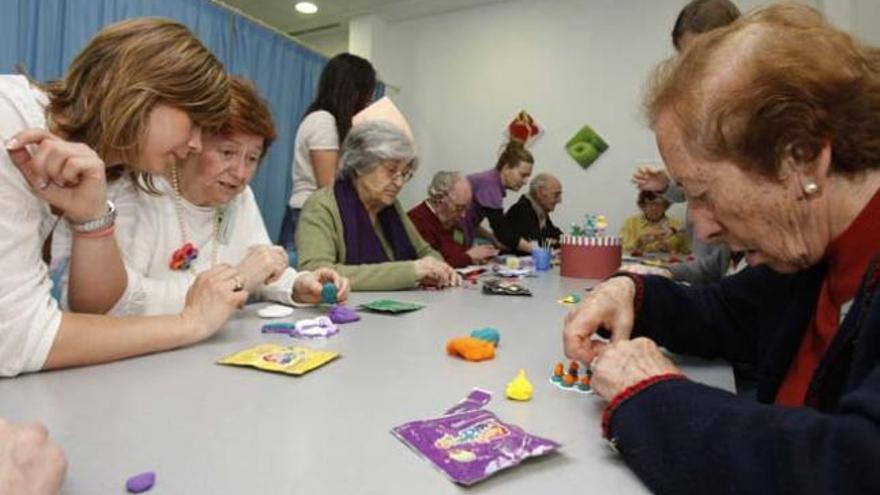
[45,35]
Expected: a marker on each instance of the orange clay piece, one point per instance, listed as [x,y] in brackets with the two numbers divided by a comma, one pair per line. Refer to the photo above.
[568,380]
[470,349]
[585,380]
[573,368]
[558,370]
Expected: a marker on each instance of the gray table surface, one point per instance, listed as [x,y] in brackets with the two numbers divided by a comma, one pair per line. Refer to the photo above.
[210,429]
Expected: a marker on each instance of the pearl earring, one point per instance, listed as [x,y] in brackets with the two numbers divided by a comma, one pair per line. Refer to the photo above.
[811,188]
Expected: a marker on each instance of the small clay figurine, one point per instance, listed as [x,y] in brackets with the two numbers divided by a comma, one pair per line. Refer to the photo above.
[558,372]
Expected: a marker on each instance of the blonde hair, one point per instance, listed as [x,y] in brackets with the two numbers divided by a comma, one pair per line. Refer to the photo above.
[108,91]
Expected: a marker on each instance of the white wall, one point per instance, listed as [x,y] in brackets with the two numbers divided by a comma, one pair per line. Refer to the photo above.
[463,75]
[866,20]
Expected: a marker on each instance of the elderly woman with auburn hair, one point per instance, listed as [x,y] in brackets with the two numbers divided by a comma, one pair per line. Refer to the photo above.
[205,214]
[138,94]
[771,126]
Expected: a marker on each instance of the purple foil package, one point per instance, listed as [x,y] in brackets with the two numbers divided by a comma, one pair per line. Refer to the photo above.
[471,444]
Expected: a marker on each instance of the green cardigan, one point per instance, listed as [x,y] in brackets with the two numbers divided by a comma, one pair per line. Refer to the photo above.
[320,243]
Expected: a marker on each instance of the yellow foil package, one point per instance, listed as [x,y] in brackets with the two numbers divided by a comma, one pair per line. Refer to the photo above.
[292,360]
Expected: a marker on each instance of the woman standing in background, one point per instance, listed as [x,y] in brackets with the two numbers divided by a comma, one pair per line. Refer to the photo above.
[511,172]
[346,87]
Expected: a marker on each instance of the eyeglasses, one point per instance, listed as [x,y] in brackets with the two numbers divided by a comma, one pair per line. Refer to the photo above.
[402,175]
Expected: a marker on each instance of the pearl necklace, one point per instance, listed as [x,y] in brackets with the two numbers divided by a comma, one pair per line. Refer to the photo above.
[182,258]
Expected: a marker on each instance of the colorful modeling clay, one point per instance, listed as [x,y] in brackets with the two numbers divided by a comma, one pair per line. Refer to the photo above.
[520,388]
[314,327]
[570,299]
[281,327]
[488,334]
[569,381]
[558,371]
[141,482]
[391,306]
[282,359]
[470,349]
[584,383]
[341,314]
[328,293]
[471,445]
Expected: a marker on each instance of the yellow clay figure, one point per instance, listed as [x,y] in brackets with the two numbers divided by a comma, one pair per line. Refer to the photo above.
[520,388]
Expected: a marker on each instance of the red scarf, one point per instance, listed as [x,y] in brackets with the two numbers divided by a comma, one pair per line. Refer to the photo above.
[847,257]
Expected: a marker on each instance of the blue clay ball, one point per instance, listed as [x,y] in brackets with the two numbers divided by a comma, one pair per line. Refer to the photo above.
[328,293]
[488,334]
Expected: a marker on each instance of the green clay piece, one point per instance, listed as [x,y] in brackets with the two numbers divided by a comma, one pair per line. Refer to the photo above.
[390,306]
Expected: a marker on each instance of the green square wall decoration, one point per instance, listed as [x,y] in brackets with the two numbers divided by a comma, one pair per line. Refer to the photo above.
[585,146]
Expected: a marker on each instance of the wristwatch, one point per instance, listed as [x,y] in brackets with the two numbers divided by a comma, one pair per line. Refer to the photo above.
[96,224]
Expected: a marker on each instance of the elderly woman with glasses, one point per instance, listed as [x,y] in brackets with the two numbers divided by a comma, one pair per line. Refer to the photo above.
[441,221]
[358,227]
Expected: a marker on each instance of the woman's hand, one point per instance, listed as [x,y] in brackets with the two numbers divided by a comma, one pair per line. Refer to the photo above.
[648,178]
[610,306]
[262,265]
[67,175]
[309,285]
[432,272]
[625,363]
[30,462]
[213,297]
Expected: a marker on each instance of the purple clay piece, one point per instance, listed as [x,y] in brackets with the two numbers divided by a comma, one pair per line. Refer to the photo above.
[341,314]
[141,482]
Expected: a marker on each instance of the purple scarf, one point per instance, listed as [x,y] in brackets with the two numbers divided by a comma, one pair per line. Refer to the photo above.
[362,245]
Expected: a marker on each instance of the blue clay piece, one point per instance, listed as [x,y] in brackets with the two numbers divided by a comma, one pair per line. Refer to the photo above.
[487,334]
[328,293]
[141,482]
[341,314]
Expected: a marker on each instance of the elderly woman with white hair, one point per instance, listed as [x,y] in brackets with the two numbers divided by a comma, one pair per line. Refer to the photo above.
[358,227]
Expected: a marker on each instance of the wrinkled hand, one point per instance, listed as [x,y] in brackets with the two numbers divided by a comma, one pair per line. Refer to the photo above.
[648,178]
[432,272]
[308,286]
[622,364]
[609,305]
[263,264]
[30,462]
[67,175]
[482,253]
[211,300]
[645,269]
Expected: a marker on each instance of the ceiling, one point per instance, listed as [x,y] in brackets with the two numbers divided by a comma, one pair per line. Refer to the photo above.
[333,15]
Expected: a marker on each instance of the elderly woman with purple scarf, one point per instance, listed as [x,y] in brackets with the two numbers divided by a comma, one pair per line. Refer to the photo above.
[358,227]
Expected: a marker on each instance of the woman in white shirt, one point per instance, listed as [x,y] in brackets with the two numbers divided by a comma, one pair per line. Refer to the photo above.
[346,87]
[136,95]
[206,208]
